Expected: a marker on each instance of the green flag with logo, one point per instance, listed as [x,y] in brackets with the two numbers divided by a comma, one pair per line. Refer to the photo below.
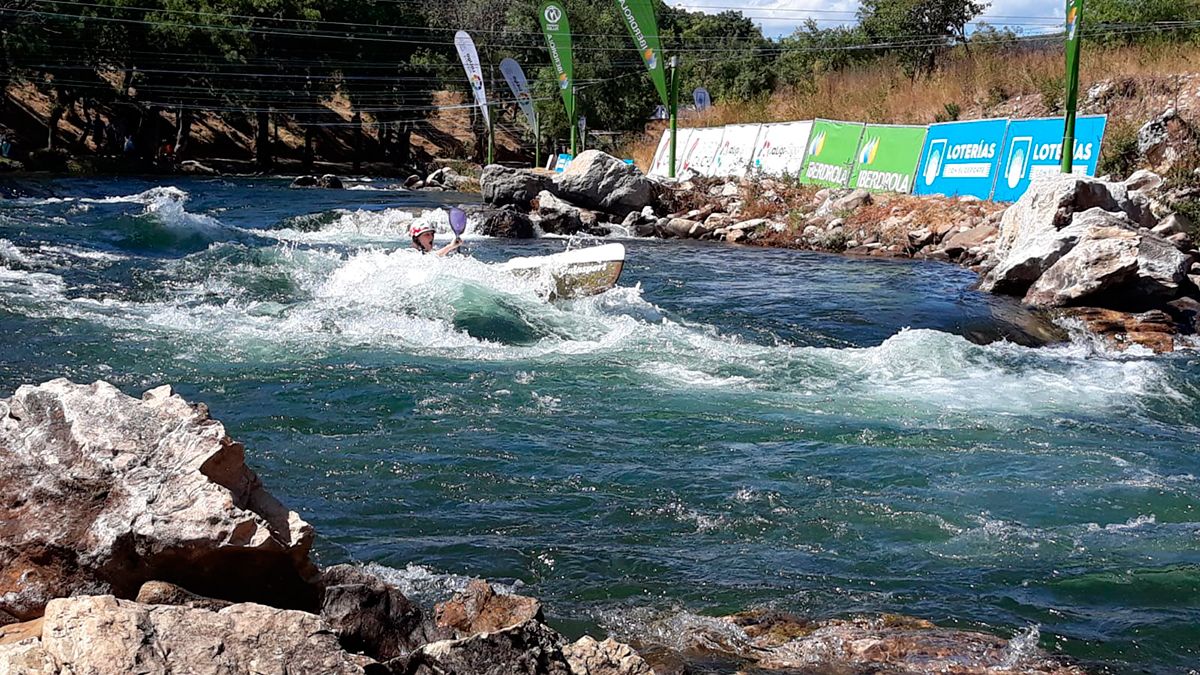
[557,30]
[1074,16]
[887,158]
[639,17]
[832,149]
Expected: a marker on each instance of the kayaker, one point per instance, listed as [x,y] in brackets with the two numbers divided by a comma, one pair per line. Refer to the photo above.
[422,239]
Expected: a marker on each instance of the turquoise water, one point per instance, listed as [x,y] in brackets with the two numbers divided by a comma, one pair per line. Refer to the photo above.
[729,428]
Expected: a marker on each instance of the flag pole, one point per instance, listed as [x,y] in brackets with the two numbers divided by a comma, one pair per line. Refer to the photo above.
[674,99]
[1074,21]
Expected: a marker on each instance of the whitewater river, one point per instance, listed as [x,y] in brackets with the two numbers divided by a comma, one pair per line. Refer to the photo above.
[730,428]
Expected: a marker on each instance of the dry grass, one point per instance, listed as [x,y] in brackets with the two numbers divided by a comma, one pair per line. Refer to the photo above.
[995,82]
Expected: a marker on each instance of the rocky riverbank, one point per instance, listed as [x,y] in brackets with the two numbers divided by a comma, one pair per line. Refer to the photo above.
[1114,257]
[135,538]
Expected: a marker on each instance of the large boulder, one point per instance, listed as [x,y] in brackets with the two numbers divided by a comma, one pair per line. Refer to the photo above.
[1112,265]
[1165,140]
[1037,230]
[587,656]
[101,635]
[103,492]
[501,185]
[599,181]
[371,617]
[529,648]
[557,216]
[479,609]
[505,223]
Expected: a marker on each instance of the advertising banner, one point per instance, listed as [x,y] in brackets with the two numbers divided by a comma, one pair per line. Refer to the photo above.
[702,150]
[960,158]
[515,77]
[663,153]
[1034,148]
[779,150]
[643,28]
[832,149]
[470,62]
[557,30]
[887,158]
[701,98]
[737,148]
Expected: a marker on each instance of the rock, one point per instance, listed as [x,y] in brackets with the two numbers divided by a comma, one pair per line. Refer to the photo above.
[1036,230]
[479,609]
[601,181]
[679,227]
[17,632]
[1154,330]
[648,213]
[104,492]
[1175,223]
[811,231]
[1181,241]
[413,182]
[557,216]
[962,242]
[586,656]
[752,224]
[163,593]
[836,223]
[529,648]
[735,236]
[330,181]
[101,635]
[921,238]
[1165,140]
[304,182]
[1144,180]
[1112,266]
[27,658]
[852,202]
[501,185]
[718,220]
[731,189]
[504,223]
[371,617]
[192,167]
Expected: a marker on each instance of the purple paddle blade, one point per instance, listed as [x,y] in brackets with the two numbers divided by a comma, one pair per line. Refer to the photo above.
[458,220]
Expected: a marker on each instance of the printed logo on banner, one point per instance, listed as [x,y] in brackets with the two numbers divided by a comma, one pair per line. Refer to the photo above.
[832,151]
[781,148]
[960,158]
[1034,148]
[887,160]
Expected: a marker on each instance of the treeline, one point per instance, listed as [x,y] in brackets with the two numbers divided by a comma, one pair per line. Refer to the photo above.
[383,60]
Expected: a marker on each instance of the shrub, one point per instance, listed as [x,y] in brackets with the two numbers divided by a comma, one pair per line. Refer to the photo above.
[1119,155]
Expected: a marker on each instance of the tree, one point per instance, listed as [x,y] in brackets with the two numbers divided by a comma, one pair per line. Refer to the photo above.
[917,30]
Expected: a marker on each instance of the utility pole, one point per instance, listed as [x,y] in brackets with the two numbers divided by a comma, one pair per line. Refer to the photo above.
[674,99]
[1074,22]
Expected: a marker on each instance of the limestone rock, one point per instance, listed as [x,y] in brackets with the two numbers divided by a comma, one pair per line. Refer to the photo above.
[1144,180]
[371,617]
[27,657]
[504,223]
[103,492]
[501,185]
[557,216]
[1165,140]
[679,227]
[960,243]
[600,181]
[1154,330]
[1113,266]
[101,635]
[586,656]
[163,593]
[529,648]
[1175,223]
[479,609]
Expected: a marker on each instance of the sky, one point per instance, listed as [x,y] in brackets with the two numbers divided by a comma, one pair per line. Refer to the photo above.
[780,17]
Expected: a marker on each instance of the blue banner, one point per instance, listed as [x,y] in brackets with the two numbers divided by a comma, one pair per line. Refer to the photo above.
[1034,148]
[960,158]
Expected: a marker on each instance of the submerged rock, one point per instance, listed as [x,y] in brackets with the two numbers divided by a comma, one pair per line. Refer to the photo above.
[104,492]
[505,223]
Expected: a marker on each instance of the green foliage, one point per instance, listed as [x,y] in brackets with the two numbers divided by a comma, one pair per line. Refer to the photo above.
[950,113]
[917,30]
[1119,154]
[1053,92]
[1099,14]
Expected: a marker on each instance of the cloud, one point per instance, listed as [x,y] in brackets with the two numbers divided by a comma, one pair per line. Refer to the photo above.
[781,17]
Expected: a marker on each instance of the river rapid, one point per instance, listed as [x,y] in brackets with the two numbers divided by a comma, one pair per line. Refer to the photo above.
[729,428]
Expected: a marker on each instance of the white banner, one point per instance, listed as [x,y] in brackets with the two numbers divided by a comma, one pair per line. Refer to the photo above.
[470,61]
[515,77]
[736,151]
[663,154]
[780,148]
[702,150]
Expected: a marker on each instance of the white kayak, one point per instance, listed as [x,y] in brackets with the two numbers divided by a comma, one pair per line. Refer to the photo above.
[576,273]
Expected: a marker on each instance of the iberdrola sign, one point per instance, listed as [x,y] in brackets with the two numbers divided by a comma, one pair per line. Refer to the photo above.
[888,157]
[831,153]
[557,30]
[639,17]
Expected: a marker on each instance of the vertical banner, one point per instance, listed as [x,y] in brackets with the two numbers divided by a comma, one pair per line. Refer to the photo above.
[515,77]
[960,158]
[557,30]
[832,149]
[470,61]
[1033,148]
[1074,15]
[780,148]
[888,157]
[639,18]
[701,98]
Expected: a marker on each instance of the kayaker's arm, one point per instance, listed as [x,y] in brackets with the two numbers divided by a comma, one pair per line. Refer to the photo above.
[449,248]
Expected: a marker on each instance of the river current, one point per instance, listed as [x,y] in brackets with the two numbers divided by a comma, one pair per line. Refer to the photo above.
[729,428]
